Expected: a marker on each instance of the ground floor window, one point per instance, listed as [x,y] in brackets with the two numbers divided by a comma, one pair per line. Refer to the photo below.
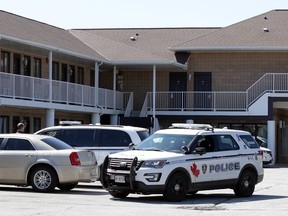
[4,124]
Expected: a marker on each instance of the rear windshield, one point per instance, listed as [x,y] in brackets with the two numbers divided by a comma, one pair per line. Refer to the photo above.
[143,134]
[56,144]
[249,141]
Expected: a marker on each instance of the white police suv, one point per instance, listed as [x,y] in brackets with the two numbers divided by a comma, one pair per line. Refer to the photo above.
[185,159]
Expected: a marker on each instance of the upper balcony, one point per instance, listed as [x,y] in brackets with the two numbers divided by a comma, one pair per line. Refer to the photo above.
[55,92]
[181,103]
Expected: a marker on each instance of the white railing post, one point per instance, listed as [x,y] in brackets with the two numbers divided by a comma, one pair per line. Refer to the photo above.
[273,83]
[50,76]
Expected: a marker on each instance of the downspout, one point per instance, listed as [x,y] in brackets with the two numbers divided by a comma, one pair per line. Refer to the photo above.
[114,86]
[154,98]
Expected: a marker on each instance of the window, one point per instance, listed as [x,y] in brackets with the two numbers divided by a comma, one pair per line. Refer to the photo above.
[27,65]
[55,70]
[249,141]
[5,62]
[36,124]
[37,68]
[207,142]
[4,124]
[78,138]
[226,143]
[92,78]
[56,144]
[71,72]
[109,138]
[16,63]
[80,75]
[18,145]
[64,72]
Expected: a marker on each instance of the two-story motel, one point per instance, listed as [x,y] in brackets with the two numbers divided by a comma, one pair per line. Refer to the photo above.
[236,76]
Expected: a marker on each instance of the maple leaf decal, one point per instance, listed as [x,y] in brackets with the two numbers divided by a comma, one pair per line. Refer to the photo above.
[194,170]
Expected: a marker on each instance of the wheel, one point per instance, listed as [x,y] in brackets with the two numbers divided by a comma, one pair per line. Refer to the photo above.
[176,188]
[67,187]
[246,184]
[119,194]
[43,179]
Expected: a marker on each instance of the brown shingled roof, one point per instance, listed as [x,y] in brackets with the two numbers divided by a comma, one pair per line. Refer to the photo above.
[17,27]
[268,31]
[138,44]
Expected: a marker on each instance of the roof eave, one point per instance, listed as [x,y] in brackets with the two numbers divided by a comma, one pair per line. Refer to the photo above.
[50,48]
[231,48]
[160,63]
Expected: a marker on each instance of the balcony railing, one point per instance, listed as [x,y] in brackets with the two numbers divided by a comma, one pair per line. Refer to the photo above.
[37,89]
[216,101]
[198,101]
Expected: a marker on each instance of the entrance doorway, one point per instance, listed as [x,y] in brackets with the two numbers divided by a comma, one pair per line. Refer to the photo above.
[177,89]
[203,87]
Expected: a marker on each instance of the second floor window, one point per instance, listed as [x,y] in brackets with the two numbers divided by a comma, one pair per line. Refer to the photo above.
[80,75]
[55,70]
[37,68]
[5,62]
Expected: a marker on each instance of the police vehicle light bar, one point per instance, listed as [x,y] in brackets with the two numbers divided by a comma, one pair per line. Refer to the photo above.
[192,126]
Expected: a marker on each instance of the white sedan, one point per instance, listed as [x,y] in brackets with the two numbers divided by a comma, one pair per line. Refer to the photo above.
[44,162]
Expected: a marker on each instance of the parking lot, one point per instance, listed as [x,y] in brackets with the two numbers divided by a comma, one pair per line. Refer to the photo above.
[270,198]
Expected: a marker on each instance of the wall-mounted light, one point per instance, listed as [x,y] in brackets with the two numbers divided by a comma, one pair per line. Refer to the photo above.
[189,77]
[25,61]
[70,71]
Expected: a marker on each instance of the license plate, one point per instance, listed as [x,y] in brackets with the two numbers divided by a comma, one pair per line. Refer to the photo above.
[119,179]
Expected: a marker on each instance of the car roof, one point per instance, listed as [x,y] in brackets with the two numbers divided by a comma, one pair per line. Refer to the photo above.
[195,129]
[90,126]
[23,135]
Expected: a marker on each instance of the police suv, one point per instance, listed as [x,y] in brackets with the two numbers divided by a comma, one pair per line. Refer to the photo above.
[185,159]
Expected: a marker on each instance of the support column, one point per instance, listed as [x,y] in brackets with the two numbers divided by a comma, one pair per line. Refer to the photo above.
[50,76]
[114,119]
[271,138]
[95,118]
[96,83]
[50,116]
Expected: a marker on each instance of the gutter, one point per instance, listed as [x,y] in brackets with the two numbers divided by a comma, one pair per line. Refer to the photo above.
[231,48]
[160,63]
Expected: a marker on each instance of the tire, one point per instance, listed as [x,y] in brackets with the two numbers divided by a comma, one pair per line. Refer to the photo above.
[67,187]
[119,194]
[246,184]
[176,188]
[43,179]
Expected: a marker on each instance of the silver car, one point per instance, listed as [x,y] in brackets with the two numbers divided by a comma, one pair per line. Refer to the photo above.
[44,163]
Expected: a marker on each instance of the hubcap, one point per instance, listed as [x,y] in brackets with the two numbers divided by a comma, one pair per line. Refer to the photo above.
[42,179]
[177,187]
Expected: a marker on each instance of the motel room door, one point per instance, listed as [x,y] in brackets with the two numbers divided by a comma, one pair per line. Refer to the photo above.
[177,86]
[203,88]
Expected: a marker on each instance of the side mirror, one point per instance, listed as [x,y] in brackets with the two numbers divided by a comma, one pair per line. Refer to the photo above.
[131,146]
[185,149]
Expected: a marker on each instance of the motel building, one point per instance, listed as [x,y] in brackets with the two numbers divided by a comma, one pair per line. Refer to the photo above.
[234,76]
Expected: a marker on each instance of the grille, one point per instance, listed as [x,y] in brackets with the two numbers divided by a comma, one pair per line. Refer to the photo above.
[122,163]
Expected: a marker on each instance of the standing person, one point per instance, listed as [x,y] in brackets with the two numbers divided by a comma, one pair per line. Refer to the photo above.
[20,127]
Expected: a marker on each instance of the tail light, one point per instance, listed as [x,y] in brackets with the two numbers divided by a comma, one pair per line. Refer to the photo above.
[74,159]
[260,153]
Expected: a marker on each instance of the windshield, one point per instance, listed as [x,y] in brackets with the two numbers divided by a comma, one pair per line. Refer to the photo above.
[56,144]
[165,142]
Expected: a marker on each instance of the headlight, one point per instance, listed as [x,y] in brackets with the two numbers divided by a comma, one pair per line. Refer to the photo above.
[154,164]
